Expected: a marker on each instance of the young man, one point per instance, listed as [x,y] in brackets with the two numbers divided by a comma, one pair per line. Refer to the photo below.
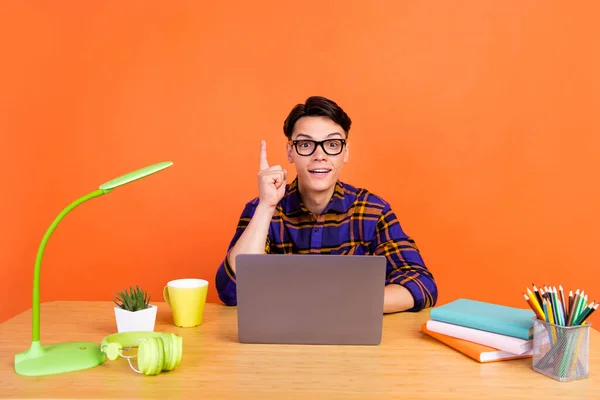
[318,214]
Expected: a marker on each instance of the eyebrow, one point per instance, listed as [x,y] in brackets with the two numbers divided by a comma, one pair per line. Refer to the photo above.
[310,137]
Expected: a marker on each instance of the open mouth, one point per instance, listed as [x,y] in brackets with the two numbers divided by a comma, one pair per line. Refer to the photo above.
[319,171]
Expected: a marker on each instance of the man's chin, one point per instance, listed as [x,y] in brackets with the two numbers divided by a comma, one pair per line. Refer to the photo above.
[319,185]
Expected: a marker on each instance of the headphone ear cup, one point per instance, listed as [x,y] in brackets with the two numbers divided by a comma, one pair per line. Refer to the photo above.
[113,350]
[168,351]
[160,355]
[144,357]
[176,350]
[150,357]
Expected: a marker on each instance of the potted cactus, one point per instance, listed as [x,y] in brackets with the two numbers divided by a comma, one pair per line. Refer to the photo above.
[133,310]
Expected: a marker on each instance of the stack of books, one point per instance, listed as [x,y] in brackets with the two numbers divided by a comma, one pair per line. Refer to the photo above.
[485,332]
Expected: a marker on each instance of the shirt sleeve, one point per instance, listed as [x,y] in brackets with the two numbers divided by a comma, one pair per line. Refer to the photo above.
[225,277]
[405,265]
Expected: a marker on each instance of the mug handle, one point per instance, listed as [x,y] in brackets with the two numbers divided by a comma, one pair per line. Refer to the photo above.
[166,295]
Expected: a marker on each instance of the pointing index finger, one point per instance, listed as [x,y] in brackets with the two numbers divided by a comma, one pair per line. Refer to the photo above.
[263,155]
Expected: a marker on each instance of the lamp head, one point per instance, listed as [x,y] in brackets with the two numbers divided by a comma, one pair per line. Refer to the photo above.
[134,175]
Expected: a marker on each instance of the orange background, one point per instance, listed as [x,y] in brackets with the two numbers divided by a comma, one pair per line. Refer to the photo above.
[478,121]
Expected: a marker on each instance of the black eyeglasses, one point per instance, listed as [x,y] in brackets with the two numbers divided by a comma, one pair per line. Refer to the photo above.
[331,147]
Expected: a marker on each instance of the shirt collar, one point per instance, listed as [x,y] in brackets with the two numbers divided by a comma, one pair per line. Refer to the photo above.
[292,201]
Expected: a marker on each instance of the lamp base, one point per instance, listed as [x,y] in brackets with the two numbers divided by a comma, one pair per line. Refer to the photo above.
[58,358]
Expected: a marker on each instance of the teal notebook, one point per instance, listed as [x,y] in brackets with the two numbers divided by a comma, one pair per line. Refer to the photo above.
[488,317]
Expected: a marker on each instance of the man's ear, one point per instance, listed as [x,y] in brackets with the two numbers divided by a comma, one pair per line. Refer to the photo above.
[289,151]
[347,152]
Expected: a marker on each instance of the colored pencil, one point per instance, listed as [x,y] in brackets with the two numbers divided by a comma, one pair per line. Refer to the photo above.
[559,308]
[579,306]
[537,294]
[570,303]
[562,297]
[533,298]
[543,294]
[573,308]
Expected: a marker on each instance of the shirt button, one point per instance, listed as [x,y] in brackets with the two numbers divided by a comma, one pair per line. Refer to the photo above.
[316,229]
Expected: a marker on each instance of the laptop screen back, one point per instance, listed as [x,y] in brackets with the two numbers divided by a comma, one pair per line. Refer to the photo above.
[310,299]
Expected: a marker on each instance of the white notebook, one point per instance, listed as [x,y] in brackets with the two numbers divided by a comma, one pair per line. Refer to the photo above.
[501,342]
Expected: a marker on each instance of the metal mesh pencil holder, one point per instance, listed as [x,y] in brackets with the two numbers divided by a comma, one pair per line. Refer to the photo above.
[561,352]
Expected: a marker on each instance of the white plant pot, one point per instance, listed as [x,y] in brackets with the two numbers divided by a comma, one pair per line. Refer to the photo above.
[135,321]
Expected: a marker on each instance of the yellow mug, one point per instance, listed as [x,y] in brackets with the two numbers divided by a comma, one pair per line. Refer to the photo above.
[187,298]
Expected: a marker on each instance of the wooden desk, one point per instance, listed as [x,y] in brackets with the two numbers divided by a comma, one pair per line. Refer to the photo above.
[215,366]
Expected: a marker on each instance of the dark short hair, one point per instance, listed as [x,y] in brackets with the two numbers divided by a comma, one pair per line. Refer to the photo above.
[313,107]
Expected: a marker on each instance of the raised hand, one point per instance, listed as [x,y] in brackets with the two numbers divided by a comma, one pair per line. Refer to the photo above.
[271,180]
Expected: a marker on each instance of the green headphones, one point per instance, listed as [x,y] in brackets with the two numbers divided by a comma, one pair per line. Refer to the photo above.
[157,351]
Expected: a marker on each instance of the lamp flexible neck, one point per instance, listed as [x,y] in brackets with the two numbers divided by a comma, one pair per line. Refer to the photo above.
[40,254]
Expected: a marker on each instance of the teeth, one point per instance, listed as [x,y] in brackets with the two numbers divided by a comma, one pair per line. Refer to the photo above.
[320,170]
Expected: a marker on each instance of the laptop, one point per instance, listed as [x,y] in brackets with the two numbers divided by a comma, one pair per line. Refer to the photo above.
[310,298]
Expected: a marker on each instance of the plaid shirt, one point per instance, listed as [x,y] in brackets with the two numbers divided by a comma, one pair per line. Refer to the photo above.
[354,222]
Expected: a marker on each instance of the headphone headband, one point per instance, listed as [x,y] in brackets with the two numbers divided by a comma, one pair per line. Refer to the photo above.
[129,339]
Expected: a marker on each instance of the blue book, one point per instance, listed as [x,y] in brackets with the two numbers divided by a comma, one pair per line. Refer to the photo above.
[495,318]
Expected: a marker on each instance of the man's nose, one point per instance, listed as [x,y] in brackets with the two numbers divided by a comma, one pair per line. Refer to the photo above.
[319,154]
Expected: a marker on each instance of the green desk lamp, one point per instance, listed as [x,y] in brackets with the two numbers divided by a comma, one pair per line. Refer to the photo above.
[69,356]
